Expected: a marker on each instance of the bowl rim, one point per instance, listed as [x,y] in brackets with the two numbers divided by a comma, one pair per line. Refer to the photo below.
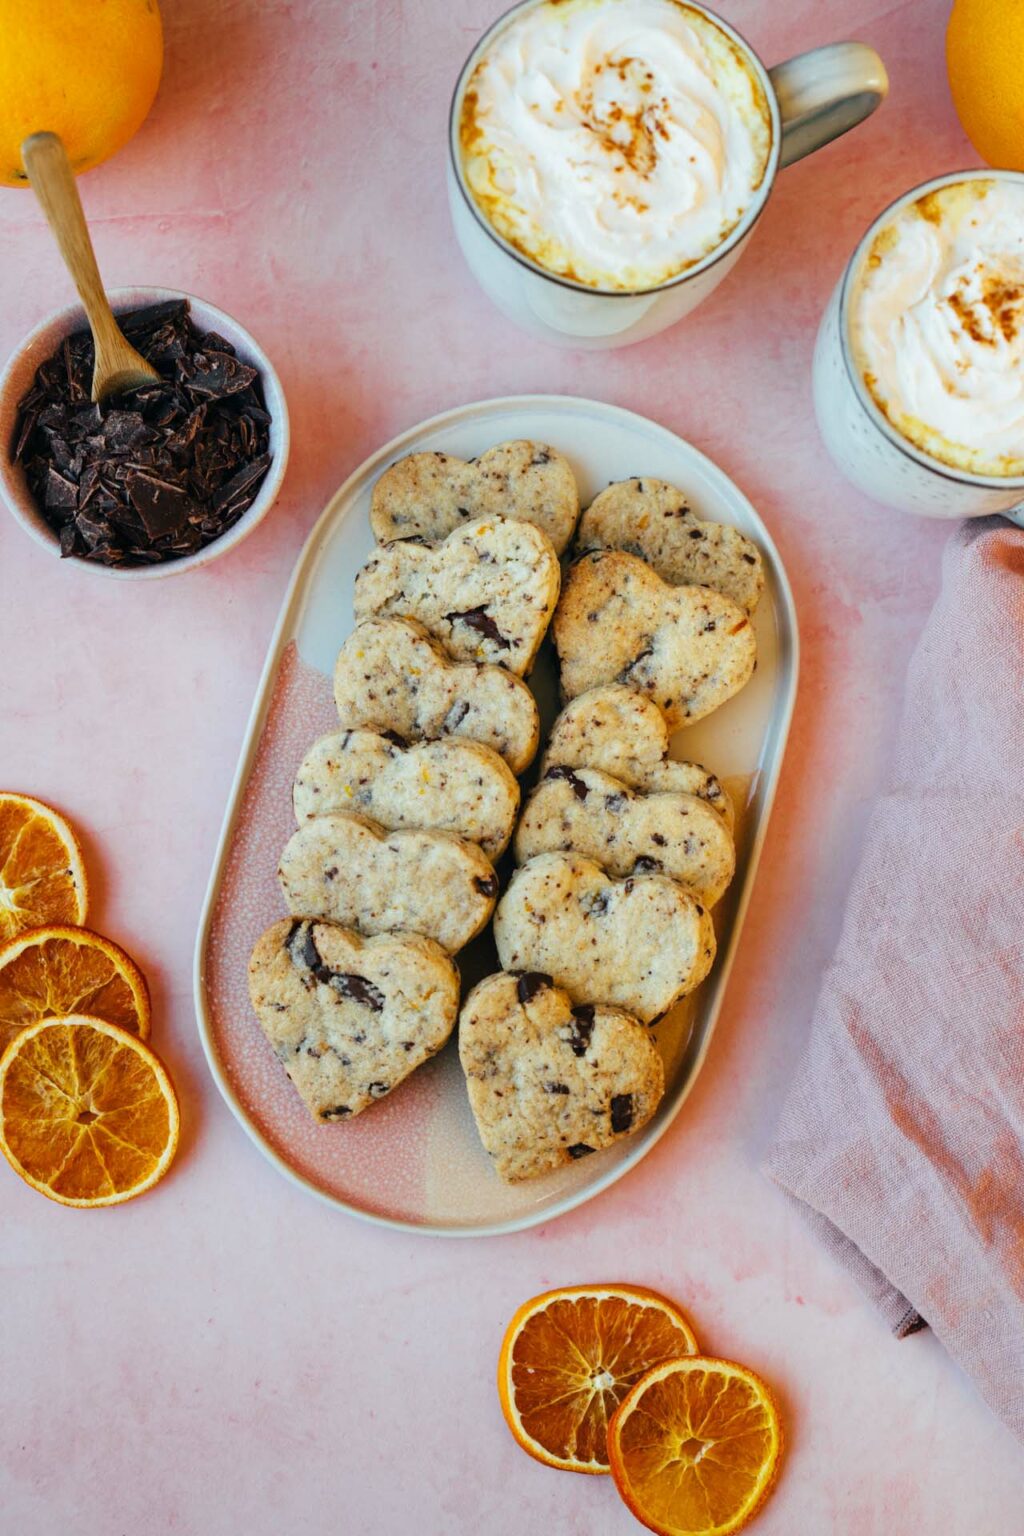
[61,322]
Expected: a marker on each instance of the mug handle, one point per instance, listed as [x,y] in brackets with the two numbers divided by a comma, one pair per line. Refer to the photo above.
[825,93]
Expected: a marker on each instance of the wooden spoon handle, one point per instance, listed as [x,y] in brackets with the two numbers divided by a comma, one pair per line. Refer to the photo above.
[53,182]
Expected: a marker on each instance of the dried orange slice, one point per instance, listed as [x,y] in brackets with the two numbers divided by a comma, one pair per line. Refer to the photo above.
[47,973]
[568,1359]
[88,1115]
[695,1446]
[42,877]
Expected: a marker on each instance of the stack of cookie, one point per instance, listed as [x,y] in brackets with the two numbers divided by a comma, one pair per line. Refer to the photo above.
[621,851]
[402,811]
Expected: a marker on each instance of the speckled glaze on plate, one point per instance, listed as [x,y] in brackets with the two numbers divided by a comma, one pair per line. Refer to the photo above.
[415,1161]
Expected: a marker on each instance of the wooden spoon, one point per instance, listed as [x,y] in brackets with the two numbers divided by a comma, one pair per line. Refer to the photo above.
[118,366]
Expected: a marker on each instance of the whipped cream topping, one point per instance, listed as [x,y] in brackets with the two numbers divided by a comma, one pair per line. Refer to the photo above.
[937,324]
[615,142]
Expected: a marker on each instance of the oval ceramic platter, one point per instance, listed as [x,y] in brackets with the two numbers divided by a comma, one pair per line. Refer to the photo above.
[414,1160]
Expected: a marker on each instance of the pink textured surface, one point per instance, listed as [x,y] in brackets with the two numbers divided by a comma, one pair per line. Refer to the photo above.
[375,1152]
[228,1355]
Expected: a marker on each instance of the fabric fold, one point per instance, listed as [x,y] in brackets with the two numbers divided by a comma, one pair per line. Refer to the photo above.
[902,1136]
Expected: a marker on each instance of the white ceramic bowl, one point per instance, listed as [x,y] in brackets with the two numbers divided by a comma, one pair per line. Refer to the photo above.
[44,341]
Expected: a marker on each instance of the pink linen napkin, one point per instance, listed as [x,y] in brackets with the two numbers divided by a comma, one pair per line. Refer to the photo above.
[902,1136]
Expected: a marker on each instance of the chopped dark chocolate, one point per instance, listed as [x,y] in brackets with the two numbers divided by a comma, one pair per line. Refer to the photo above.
[530,983]
[621,1112]
[162,506]
[623,676]
[154,474]
[582,1028]
[357,988]
[645,865]
[60,492]
[480,620]
[301,946]
[455,716]
[575,783]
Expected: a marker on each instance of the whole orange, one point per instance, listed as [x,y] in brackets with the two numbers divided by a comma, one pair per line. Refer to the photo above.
[984,54]
[85,69]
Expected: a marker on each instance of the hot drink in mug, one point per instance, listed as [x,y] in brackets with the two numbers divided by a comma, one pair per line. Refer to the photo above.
[609,158]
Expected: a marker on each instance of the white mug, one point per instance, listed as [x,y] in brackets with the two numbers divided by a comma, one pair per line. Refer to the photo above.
[864,444]
[812,98]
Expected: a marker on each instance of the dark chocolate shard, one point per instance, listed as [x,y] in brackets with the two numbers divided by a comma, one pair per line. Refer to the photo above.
[216,374]
[60,492]
[480,620]
[163,507]
[579,1149]
[302,946]
[357,988]
[530,983]
[140,323]
[582,1028]
[94,530]
[622,1112]
[576,784]
[645,865]
[125,429]
[26,426]
[180,440]
[235,488]
[487,885]
[623,676]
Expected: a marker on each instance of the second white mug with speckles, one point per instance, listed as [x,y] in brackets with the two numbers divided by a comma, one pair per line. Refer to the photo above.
[864,444]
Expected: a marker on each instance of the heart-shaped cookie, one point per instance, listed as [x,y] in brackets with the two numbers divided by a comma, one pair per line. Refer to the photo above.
[618,730]
[393,675]
[548,1082]
[348,1017]
[449,786]
[639,944]
[687,648]
[348,869]
[487,592]
[652,519]
[426,495]
[584,811]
